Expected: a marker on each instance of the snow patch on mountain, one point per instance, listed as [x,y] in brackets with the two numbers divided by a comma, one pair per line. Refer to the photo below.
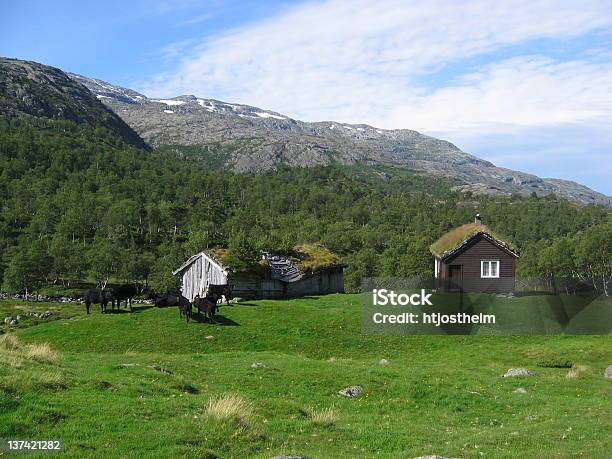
[269,115]
[169,101]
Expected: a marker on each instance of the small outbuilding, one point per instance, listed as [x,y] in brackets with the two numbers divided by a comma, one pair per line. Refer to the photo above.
[472,258]
[310,270]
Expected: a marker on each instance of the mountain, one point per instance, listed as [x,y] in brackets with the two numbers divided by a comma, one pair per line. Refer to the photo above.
[32,89]
[250,139]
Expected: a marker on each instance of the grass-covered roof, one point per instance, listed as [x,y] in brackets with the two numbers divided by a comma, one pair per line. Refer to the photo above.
[315,256]
[224,257]
[307,257]
[453,239]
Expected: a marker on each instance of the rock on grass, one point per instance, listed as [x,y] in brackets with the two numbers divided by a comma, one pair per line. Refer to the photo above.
[518,372]
[608,372]
[352,391]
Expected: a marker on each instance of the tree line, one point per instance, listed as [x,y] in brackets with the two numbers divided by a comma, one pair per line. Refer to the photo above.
[79,204]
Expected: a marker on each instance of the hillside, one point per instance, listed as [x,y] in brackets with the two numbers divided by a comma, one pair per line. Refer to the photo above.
[107,383]
[248,139]
[81,203]
[29,88]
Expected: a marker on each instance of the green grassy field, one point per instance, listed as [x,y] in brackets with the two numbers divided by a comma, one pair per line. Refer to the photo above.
[139,385]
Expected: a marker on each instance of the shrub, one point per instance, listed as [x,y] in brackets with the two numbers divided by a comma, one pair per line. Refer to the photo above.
[230,407]
[9,342]
[554,362]
[324,417]
[11,360]
[42,353]
[577,370]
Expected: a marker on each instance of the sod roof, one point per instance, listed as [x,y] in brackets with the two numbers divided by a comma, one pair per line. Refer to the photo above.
[308,257]
[457,237]
[315,256]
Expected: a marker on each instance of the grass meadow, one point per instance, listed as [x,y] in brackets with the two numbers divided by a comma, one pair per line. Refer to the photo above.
[147,384]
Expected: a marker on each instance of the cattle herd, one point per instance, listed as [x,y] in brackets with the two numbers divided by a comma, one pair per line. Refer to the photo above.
[206,305]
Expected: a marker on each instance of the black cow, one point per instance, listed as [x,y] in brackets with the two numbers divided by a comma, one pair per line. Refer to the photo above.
[125,293]
[168,299]
[100,296]
[207,305]
[218,291]
[184,306]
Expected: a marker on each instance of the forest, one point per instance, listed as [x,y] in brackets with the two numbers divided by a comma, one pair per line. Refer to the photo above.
[80,204]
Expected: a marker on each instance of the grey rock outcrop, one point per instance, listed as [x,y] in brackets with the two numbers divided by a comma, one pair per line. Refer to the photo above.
[249,139]
[518,372]
[30,88]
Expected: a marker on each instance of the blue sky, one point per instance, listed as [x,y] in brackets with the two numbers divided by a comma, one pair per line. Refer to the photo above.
[524,84]
[119,41]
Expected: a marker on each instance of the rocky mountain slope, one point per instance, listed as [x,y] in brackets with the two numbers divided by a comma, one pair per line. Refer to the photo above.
[29,88]
[251,139]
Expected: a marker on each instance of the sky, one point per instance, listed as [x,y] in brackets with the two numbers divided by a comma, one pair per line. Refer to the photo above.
[526,84]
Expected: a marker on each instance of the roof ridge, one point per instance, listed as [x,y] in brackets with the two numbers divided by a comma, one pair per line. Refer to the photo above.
[456,238]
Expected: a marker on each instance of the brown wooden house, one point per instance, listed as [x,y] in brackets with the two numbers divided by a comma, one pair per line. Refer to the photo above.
[472,258]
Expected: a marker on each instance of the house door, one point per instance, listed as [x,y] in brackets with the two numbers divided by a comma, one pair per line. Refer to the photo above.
[455,277]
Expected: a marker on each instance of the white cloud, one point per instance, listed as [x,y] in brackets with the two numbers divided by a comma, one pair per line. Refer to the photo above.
[364,61]
[198,19]
[515,93]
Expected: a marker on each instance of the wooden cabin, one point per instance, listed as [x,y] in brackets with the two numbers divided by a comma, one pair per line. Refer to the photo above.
[472,258]
[276,276]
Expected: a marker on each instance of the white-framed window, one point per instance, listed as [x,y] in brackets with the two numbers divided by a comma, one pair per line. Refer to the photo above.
[489,268]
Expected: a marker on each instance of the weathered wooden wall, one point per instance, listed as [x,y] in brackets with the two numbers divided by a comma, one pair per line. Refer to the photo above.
[197,276]
[253,287]
[250,286]
[203,271]
[325,281]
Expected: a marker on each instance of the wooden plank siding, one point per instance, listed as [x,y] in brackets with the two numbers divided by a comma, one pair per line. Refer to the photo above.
[469,259]
[199,271]
[249,286]
[199,274]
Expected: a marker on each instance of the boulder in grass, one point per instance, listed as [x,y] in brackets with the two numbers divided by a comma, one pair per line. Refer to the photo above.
[258,365]
[520,390]
[383,362]
[518,372]
[608,372]
[352,391]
